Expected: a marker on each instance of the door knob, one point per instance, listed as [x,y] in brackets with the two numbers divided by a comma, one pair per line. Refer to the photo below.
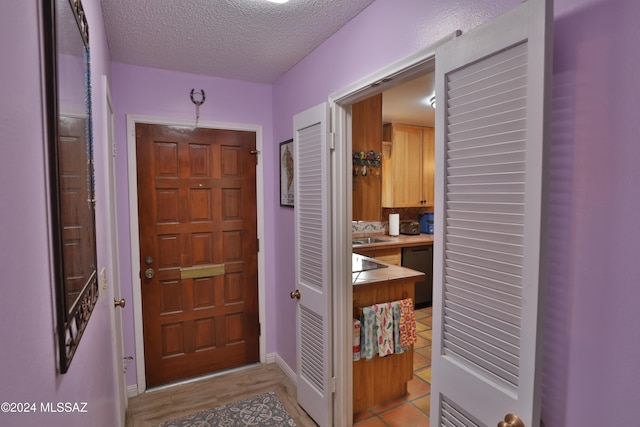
[295,294]
[511,420]
[120,303]
[149,273]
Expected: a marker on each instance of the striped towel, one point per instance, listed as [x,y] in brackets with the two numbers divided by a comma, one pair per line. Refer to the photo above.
[407,323]
[384,320]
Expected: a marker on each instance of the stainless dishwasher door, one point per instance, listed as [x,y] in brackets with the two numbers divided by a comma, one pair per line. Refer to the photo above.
[420,258]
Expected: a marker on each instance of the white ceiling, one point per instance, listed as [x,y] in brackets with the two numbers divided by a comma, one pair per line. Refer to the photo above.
[251,40]
[408,102]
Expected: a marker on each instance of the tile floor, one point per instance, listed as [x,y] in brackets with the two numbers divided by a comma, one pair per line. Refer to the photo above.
[413,409]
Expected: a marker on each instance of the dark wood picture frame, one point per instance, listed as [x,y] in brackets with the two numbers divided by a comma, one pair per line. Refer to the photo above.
[287,181]
[71,175]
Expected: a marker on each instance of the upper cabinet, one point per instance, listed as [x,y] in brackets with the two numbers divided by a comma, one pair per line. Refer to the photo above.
[366,117]
[407,166]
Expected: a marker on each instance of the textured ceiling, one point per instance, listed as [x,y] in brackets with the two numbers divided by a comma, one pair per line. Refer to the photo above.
[251,40]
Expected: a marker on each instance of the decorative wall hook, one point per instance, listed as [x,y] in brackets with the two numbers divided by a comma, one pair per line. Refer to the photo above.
[197,102]
[193,98]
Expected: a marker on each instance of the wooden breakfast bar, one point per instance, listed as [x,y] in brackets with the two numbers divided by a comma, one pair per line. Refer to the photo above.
[382,378]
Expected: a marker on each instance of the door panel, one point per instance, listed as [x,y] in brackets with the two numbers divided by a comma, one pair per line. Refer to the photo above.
[492,86]
[313,262]
[198,241]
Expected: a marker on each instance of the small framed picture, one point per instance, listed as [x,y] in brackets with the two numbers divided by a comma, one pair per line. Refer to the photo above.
[287,183]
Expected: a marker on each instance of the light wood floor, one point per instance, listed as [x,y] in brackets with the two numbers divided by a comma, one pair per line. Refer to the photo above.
[156,406]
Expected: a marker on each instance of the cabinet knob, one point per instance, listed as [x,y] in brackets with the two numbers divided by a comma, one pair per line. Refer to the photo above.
[295,294]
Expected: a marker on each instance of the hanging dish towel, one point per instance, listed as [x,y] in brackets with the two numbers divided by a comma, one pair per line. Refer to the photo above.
[356,339]
[368,333]
[384,320]
[407,323]
[396,306]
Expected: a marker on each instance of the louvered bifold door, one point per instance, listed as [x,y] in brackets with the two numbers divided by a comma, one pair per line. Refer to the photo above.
[311,174]
[489,178]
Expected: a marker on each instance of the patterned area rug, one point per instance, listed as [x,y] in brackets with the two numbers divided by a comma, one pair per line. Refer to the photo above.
[263,410]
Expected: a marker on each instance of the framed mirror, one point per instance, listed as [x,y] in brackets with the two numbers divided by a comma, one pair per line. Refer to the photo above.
[71,175]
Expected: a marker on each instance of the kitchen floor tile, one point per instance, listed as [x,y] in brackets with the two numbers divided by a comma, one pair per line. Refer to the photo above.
[424,352]
[417,387]
[425,374]
[370,422]
[421,327]
[405,415]
[423,403]
[421,342]
[419,361]
[426,334]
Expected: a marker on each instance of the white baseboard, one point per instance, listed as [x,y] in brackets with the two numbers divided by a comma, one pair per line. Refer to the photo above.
[132,390]
[286,369]
[271,358]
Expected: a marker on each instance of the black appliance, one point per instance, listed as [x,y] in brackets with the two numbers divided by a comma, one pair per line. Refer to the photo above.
[420,258]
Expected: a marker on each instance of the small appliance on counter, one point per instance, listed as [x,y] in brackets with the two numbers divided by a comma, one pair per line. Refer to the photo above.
[426,223]
[409,227]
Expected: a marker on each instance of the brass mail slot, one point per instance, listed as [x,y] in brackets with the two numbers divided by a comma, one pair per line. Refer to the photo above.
[198,271]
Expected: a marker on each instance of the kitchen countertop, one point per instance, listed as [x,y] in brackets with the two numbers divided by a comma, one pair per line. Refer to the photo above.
[401,241]
[380,275]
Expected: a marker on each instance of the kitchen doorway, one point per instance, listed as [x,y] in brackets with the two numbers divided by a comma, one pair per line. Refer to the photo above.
[493,90]
[415,66]
[391,123]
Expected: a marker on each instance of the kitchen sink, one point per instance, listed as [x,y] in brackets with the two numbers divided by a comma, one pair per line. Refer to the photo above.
[368,240]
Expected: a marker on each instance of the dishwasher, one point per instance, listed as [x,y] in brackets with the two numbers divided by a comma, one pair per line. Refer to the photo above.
[420,258]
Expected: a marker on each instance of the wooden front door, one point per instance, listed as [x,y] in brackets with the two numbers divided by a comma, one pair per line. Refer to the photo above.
[198,250]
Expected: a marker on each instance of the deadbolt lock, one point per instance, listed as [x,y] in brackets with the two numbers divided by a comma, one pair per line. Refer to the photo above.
[148,260]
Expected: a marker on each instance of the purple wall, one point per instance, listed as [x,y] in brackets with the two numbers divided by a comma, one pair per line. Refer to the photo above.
[28,351]
[165,94]
[592,332]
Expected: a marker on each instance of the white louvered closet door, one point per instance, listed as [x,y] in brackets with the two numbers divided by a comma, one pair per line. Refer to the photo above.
[313,269]
[492,87]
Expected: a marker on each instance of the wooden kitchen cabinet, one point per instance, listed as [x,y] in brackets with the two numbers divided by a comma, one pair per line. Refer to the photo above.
[366,122]
[382,379]
[407,166]
[388,255]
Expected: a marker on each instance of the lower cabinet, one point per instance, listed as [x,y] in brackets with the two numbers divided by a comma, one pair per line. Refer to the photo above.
[382,378]
[388,255]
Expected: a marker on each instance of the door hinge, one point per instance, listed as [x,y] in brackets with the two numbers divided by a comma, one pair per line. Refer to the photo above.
[255,153]
[257,245]
[333,384]
[259,329]
[332,142]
